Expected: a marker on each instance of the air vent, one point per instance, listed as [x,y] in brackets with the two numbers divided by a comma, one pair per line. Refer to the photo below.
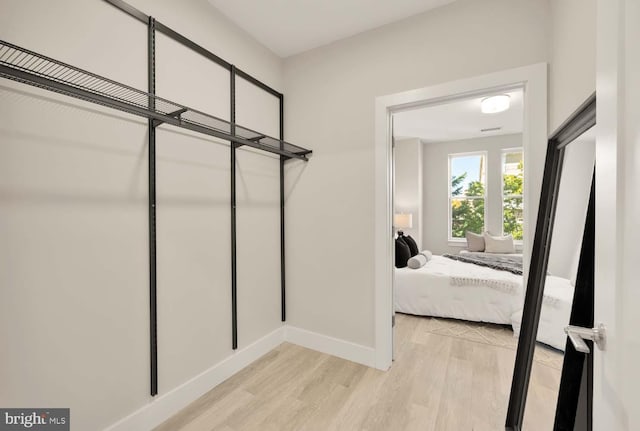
[491,129]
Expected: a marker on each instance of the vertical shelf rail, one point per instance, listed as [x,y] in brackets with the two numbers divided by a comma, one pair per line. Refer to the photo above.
[153,309]
[283,290]
[234,281]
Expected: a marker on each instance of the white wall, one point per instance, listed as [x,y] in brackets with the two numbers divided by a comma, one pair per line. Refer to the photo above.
[571,210]
[617,297]
[73,213]
[330,108]
[572,79]
[200,22]
[436,183]
[407,156]
[572,50]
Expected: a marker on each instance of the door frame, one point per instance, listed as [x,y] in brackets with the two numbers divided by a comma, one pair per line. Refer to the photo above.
[533,80]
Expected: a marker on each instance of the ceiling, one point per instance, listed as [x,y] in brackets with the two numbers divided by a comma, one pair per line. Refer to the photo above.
[289,27]
[459,120]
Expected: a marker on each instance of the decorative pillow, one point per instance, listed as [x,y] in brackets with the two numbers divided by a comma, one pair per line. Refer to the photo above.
[498,244]
[402,253]
[417,261]
[475,242]
[427,254]
[413,247]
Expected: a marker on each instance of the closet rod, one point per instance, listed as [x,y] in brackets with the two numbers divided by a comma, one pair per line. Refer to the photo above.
[22,65]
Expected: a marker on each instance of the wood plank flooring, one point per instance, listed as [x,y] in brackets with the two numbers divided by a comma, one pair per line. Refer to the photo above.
[437,383]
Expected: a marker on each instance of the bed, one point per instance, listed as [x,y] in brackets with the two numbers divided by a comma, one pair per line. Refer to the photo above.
[439,289]
[448,288]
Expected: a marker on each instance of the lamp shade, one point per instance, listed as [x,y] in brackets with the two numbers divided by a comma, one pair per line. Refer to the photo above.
[403,221]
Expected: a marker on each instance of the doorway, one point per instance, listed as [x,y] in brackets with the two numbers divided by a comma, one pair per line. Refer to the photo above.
[458,171]
[533,80]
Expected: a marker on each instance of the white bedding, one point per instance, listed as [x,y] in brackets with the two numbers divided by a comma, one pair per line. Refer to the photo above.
[555,313]
[429,291]
[483,253]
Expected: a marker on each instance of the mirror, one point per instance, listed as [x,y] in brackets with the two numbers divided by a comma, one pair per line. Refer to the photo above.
[548,375]
[559,287]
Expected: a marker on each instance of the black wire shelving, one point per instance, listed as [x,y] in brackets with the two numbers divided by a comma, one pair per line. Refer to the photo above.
[20,64]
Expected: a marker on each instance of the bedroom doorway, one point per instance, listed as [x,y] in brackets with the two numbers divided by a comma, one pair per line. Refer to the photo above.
[532,80]
[420,200]
[458,209]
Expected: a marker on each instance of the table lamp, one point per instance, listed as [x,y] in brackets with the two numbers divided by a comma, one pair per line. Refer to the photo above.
[402,221]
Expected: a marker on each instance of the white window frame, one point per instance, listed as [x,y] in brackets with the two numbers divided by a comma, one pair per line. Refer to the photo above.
[503,155]
[461,242]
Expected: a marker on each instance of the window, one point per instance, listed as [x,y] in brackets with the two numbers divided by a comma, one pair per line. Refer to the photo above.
[467,194]
[512,191]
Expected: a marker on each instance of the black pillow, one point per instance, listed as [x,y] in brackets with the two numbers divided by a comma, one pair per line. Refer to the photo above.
[402,253]
[413,247]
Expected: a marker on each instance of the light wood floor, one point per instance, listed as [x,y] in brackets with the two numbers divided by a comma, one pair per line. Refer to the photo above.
[437,383]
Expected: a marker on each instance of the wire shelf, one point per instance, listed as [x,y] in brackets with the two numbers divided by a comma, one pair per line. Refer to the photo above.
[20,64]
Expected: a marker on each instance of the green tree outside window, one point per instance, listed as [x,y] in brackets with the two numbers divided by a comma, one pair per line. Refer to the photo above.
[467,194]
[512,195]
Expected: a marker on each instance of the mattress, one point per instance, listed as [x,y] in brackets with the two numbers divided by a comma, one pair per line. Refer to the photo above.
[429,291]
[554,315]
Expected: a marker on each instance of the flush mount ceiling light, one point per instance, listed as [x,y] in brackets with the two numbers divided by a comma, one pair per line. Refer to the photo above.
[494,104]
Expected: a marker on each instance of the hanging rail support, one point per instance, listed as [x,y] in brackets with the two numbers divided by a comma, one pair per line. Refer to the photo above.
[255,139]
[175,114]
[283,159]
[234,280]
[153,305]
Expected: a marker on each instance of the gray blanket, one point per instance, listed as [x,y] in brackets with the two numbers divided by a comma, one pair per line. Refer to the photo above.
[513,264]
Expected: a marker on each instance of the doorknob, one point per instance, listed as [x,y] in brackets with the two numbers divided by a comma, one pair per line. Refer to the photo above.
[578,334]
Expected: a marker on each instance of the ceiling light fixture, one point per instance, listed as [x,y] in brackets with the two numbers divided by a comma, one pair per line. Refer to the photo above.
[495,104]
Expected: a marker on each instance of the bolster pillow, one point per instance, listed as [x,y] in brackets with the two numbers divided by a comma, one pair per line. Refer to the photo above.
[417,261]
[427,254]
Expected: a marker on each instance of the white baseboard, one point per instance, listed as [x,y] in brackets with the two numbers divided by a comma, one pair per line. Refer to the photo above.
[164,406]
[333,346]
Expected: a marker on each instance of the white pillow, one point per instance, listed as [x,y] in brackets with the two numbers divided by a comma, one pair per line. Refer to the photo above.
[475,242]
[420,259]
[417,261]
[427,254]
[498,244]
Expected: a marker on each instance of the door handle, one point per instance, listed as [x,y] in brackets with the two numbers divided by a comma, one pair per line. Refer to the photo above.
[578,334]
